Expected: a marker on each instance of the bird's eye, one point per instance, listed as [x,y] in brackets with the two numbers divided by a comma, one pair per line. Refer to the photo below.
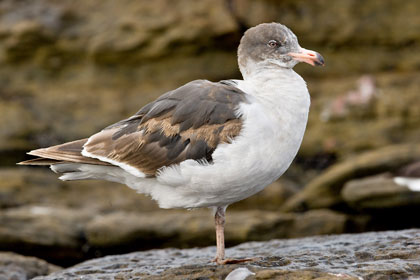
[273,43]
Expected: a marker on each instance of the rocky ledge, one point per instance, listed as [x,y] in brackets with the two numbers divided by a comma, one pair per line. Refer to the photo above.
[374,255]
[17,267]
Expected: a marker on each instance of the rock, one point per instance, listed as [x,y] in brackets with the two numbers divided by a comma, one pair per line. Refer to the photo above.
[379,193]
[54,234]
[221,273]
[317,222]
[17,267]
[375,255]
[66,64]
[324,191]
[339,23]
[339,26]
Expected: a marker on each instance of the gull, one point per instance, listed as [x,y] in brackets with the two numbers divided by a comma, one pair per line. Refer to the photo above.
[205,144]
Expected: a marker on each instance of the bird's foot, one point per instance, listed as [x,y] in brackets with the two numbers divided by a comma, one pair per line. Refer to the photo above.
[233,261]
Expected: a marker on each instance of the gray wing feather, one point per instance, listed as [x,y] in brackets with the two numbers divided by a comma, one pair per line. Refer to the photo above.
[186,123]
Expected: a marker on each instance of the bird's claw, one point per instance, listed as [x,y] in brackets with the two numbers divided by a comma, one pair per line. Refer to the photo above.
[233,261]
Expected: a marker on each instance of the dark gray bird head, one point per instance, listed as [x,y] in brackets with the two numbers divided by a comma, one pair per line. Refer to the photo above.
[273,44]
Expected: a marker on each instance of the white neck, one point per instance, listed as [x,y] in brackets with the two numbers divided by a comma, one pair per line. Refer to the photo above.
[271,72]
[252,68]
[274,82]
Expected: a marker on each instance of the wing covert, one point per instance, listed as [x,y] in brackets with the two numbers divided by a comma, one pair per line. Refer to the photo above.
[186,123]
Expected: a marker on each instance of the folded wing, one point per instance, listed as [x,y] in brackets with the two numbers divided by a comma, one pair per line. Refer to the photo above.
[186,123]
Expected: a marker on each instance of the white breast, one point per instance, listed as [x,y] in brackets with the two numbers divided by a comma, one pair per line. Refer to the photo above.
[273,128]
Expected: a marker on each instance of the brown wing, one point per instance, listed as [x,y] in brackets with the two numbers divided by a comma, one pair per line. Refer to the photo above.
[187,123]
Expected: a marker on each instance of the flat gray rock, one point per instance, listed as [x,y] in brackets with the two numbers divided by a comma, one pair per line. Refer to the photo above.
[379,193]
[18,267]
[324,191]
[374,255]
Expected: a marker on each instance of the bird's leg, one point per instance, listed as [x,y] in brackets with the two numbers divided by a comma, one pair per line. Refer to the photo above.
[219,220]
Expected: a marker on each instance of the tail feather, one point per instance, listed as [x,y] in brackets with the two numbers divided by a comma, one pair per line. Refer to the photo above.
[68,160]
[81,171]
[67,152]
[39,161]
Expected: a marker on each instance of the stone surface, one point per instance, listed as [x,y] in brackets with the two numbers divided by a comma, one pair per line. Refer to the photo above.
[324,191]
[17,267]
[379,193]
[375,255]
[221,273]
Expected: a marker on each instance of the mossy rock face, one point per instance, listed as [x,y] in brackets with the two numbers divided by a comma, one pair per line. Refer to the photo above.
[68,69]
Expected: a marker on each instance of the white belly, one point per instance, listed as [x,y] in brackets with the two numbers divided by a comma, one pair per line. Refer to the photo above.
[266,146]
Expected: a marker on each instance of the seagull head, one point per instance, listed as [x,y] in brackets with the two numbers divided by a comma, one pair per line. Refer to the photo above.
[273,44]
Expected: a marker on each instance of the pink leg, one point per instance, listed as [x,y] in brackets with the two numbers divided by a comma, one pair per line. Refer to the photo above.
[219,220]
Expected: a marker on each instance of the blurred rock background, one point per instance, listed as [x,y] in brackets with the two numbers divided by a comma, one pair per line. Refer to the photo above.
[70,68]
